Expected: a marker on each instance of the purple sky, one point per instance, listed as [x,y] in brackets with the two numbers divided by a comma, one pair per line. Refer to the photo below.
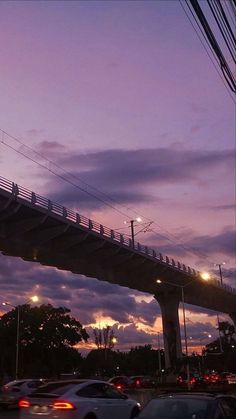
[123,97]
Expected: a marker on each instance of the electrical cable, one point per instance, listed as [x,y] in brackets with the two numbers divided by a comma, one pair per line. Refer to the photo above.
[230,13]
[219,74]
[170,237]
[229,77]
[215,11]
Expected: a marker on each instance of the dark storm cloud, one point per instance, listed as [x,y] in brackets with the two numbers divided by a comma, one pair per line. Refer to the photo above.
[124,174]
[224,207]
[84,296]
[224,242]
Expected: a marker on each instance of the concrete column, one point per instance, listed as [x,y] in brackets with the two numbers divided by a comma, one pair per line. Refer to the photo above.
[169,304]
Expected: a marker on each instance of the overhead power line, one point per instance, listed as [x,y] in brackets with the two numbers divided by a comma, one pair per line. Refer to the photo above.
[212,56]
[65,177]
[227,73]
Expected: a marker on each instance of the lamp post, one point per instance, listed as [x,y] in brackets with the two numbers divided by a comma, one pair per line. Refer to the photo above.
[17,308]
[200,340]
[159,357]
[220,271]
[138,219]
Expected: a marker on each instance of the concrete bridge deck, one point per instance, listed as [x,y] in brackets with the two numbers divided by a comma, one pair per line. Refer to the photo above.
[38,230]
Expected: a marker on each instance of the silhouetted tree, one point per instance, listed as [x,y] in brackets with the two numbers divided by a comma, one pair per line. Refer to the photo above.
[47,339]
[104,338]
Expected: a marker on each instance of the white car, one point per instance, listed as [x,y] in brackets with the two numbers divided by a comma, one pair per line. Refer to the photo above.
[78,399]
[11,392]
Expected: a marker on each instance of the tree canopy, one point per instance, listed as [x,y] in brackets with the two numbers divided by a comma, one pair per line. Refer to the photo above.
[47,336]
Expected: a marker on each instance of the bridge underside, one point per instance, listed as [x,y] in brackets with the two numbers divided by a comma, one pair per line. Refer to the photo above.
[39,235]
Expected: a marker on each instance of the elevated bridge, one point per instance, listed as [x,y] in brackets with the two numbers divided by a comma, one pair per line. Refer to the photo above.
[39,230]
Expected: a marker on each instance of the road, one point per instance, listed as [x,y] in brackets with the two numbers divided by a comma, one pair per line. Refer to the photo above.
[9,414]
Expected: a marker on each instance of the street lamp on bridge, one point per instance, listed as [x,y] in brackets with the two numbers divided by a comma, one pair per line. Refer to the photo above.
[132,225]
[34,299]
[220,270]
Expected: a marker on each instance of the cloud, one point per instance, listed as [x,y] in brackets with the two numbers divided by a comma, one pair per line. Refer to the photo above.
[222,243]
[50,147]
[224,207]
[35,132]
[125,174]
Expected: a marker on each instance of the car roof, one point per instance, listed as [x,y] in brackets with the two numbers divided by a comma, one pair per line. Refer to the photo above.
[74,381]
[24,380]
[195,395]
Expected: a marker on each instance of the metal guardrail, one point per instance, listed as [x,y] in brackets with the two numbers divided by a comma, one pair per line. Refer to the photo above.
[70,215]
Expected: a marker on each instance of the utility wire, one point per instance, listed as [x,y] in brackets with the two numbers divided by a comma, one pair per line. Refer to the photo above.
[230,12]
[170,237]
[229,77]
[221,21]
[219,74]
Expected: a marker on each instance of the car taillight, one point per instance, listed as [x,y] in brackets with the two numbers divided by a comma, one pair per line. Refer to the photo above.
[5,388]
[193,380]
[63,405]
[24,403]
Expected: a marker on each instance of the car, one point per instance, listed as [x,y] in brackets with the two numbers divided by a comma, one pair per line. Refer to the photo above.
[190,406]
[212,378]
[142,381]
[121,382]
[195,380]
[11,392]
[78,399]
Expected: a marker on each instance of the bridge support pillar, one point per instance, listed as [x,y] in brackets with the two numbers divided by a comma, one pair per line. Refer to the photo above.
[169,304]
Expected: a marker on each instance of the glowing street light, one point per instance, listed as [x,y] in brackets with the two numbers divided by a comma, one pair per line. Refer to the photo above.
[205,275]
[34,299]
[114,340]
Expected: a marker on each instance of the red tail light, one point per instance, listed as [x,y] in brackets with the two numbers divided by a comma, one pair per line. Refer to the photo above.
[24,403]
[63,405]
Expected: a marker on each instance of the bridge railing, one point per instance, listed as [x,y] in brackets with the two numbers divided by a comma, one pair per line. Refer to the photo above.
[37,200]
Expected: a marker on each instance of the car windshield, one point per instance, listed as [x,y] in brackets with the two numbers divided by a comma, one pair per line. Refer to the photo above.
[175,408]
[54,389]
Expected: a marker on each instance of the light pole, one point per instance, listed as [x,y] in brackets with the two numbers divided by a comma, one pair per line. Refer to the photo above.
[220,270]
[17,308]
[138,219]
[159,356]
[200,340]
[218,327]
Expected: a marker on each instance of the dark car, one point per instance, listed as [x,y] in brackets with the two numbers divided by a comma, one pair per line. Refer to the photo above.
[195,380]
[121,382]
[142,381]
[190,406]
